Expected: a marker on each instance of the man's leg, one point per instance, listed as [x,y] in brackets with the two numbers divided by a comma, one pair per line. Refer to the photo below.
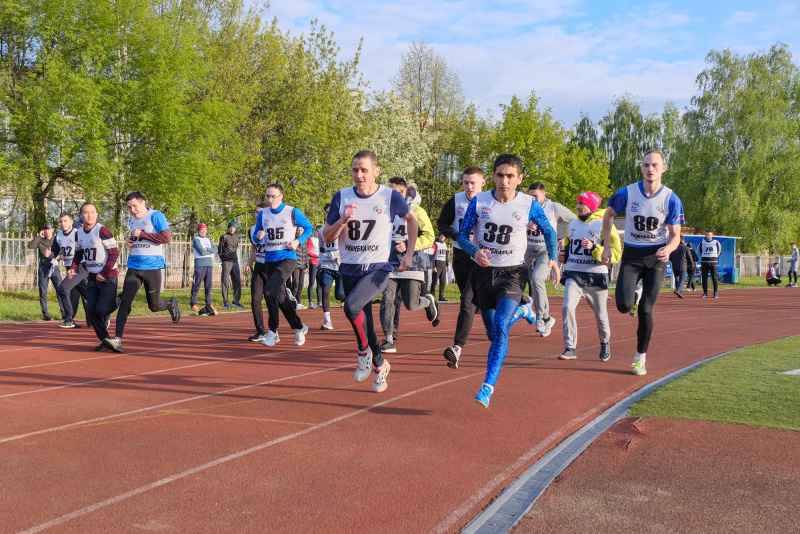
[462,269]
[224,281]
[69,296]
[714,278]
[387,309]
[236,280]
[597,298]
[652,279]
[198,278]
[208,282]
[705,268]
[572,296]
[442,272]
[312,282]
[275,294]
[44,285]
[130,286]
[539,273]
[630,272]
[92,299]
[257,281]
[56,279]
[360,292]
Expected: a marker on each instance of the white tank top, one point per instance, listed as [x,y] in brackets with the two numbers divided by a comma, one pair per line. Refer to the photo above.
[94,253]
[67,245]
[501,228]
[367,238]
[143,247]
[279,228]
[328,253]
[708,250]
[441,251]
[461,209]
[536,237]
[581,259]
[260,246]
[205,242]
[399,232]
[646,218]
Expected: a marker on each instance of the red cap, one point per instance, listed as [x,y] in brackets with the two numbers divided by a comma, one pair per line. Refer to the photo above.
[591,199]
[201,225]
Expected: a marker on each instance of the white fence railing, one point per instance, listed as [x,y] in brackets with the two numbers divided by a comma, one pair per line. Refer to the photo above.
[19,264]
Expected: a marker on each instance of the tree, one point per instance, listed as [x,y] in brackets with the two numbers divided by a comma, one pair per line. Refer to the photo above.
[624,138]
[394,137]
[740,160]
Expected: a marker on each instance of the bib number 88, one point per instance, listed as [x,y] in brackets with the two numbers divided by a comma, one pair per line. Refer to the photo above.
[494,234]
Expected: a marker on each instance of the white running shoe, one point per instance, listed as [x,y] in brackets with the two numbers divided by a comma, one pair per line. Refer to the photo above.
[547,327]
[364,365]
[452,355]
[300,307]
[327,325]
[380,384]
[271,339]
[540,325]
[300,335]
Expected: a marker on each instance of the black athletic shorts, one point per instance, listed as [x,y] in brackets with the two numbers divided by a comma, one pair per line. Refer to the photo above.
[494,283]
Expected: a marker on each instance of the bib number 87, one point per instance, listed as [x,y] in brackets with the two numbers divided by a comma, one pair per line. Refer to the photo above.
[354,229]
[494,234]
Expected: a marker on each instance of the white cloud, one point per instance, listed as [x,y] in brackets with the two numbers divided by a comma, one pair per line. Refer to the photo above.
[741,17]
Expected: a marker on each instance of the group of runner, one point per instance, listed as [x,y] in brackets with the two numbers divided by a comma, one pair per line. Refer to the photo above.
[371,244]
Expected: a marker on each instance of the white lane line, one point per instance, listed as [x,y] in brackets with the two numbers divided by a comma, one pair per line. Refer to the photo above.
[142,489]
[493,484]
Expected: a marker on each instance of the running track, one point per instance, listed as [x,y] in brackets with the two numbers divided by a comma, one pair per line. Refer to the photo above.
[194,429]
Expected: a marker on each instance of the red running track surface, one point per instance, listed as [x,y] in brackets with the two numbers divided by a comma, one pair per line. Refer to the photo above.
[199,430]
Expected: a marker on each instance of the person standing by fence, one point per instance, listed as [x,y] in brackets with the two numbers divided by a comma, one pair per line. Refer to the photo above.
[71,290]
[204,251]
[228,251]
[48,268]
[793,265]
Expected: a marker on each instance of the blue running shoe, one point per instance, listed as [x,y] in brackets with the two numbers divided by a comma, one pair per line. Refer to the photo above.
[226,305]
[484,395]
[525,311]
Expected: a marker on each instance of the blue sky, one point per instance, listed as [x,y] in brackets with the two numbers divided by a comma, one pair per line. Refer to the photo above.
[577,55]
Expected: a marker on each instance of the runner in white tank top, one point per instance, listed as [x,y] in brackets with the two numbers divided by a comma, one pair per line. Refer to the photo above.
[361,218]
[653,219]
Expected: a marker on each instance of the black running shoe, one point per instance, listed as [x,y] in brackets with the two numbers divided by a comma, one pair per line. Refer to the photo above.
[605,352]
[174,311]
[388,347]
[100,348]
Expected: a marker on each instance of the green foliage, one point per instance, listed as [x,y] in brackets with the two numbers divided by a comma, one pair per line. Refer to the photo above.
[738,167]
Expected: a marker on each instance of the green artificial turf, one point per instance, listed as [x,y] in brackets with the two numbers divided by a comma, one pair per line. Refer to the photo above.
[743,387]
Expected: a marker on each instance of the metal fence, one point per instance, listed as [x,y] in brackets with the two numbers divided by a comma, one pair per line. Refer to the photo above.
[19,264]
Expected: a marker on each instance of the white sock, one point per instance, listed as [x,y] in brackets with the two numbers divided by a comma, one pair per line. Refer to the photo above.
[640,356]
[327,317]
[389,339]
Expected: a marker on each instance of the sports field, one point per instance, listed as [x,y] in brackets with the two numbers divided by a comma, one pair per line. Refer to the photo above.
[194,429]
